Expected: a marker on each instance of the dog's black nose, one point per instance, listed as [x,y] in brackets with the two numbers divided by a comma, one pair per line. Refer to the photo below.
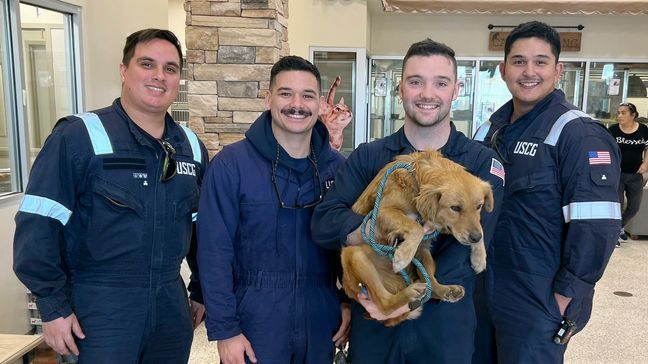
[475,237]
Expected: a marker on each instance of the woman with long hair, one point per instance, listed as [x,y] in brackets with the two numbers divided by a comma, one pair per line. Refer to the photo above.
[632,138]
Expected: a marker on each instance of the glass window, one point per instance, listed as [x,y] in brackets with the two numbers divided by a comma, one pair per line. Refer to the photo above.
[491,92]
[386,113]
[8,155]
[331,64]
[462,107]
[572,82]
[613,83]
[48,74]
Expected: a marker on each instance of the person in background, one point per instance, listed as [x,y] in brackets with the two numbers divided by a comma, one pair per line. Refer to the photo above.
[560,216]
[270,292]
[106,219]
[444,333]
[632,138]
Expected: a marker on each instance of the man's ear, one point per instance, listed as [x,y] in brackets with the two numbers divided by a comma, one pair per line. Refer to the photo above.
[267,100]
[122,71]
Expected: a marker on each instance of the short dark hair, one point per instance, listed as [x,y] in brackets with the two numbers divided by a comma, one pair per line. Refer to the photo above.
[295,63]
[147,35]
[429,47]
[631,107]
[534,29]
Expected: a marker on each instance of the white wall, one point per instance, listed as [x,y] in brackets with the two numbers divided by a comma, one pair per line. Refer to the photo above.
[13,302]
[326,23]
[603,37]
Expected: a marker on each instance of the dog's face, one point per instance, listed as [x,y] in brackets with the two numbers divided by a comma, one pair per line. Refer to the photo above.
[453,205]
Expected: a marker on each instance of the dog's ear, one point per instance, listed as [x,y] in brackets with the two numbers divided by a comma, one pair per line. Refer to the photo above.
[427,201]
[489,201]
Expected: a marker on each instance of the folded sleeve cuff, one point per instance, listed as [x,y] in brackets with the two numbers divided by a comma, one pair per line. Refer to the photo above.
[570,285]
[349,226]
[53,307]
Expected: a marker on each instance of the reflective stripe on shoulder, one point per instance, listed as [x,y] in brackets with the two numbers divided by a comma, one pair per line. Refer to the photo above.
[98,135]
[592,210]
[482,131]
[45,207]
[193,140]
[559,125]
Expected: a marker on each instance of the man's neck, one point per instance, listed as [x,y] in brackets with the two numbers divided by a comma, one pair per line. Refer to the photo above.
[153,124]
[427,137]
[296,145]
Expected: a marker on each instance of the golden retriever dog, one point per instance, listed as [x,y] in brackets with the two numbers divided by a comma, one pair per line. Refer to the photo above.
[448,198]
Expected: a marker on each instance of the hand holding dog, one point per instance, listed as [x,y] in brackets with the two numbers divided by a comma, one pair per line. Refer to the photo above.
[342,335]
[355,237]
[234,349]
[375,313]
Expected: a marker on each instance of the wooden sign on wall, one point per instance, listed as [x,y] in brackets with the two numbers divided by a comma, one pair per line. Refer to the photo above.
[569,41]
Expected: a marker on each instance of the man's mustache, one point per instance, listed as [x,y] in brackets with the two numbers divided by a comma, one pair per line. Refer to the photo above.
[296,111]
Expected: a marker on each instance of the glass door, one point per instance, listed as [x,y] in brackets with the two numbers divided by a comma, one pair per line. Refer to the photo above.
[48,72]
[350,65]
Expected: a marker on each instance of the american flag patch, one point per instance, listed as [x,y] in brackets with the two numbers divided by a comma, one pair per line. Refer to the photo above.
[497,169]
[599,158]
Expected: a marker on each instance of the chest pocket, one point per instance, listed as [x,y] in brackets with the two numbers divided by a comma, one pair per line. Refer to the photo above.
[258,226]
[179,236]
[116,223]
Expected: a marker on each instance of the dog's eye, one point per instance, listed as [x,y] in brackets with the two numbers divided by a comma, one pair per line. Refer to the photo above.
[456,208]
[480,206]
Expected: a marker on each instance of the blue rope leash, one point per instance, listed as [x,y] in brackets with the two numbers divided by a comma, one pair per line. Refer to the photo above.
[385,250]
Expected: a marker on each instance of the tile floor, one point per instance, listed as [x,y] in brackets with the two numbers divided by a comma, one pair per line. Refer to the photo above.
[617,332]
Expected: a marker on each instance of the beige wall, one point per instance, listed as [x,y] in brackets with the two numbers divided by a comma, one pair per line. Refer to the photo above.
[177,19]
[603,36]
[106,24]
[331,23]
[13,304]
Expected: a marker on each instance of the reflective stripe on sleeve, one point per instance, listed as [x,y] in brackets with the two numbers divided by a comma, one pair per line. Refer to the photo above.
[45,207]
[193,140]
[559,125]
[482,131]
[98,136]
[592,210]
[194,216]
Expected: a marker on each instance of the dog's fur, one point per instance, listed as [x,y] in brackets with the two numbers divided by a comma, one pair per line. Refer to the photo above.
[447,197]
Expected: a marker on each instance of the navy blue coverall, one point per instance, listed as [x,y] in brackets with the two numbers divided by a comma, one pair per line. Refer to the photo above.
[261,273]
[444,333]
[559,223]
[99,235]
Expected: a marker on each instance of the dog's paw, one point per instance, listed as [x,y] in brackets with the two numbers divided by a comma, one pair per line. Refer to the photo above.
[402,258]
[478,264]
[415,291]
[453,293]
[478,258]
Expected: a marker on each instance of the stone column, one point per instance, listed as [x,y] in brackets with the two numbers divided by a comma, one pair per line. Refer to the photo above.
[231,46]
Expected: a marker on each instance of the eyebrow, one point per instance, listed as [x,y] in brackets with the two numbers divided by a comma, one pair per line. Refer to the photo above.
[145,58]
[442,77]
[543,56]
[290,89]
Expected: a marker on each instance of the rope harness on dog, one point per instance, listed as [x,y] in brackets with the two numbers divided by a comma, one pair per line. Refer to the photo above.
[386,250]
